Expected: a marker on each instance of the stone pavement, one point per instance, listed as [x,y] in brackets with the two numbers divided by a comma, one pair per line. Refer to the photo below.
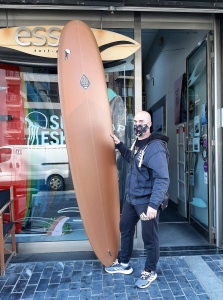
[179,278]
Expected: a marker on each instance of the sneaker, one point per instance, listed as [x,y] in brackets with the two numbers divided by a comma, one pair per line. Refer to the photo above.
[116,267]
[145,279]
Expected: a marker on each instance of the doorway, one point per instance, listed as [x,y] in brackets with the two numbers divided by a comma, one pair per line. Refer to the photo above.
[173,58]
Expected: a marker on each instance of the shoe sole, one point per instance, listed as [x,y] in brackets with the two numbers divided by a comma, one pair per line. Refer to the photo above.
[125,272]
[148,284]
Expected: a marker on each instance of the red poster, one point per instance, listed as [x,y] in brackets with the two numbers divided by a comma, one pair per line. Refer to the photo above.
[12,134]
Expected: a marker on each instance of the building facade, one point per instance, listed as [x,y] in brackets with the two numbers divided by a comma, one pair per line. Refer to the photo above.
[176,75]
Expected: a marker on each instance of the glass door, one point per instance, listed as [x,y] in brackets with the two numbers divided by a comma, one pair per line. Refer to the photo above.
[197,131]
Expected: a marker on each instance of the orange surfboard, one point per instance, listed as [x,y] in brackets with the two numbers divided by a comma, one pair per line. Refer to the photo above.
[87,125]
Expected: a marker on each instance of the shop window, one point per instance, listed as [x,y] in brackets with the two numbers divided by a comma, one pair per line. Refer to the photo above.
[33,155]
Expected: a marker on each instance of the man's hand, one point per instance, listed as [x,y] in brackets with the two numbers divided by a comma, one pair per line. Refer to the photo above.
[150,214]
[116,140]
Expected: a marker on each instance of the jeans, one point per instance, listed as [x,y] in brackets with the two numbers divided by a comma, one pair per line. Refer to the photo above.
[129,218]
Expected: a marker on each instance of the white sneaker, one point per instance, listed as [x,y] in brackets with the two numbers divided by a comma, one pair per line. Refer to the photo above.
[145,279]
[116,267]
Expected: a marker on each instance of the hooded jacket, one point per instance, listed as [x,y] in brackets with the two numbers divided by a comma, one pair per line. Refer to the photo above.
[148,175]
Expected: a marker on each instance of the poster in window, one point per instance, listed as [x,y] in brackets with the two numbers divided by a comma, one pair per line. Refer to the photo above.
[180,99]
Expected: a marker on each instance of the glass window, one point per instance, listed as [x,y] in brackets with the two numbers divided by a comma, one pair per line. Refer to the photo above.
[33,155]
[198,138]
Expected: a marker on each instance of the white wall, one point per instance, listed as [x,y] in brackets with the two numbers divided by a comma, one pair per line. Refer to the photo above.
[166,62]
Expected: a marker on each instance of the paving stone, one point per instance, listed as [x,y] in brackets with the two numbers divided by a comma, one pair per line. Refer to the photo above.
[47,272]
[20,286]
[97,287]
[6,292]
[35,278]
[154,291]
[43,285]
[29,291]
[67,271]
[15,296]
[162,283]
[176,289]
[39,267]
[39,296]
[12,279]
[83,280]
[62,295]
[52,291]
[56,277]
[96,275]
[167,295]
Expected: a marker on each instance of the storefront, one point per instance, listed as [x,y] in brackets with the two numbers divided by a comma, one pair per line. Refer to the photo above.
[33,154]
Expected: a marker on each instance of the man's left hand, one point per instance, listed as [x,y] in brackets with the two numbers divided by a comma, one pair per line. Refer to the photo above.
[151,213]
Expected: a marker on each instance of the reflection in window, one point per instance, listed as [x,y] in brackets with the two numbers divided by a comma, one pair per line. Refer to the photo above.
[33,142]
[5,154]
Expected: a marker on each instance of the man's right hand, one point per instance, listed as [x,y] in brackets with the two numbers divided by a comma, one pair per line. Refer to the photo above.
[116,140]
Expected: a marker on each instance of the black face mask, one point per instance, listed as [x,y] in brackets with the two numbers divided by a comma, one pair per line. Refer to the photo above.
[139,130]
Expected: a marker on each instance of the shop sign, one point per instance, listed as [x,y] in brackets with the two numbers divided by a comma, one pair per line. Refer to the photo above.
[36,40]
[44,40]
[50,131]
[37,36]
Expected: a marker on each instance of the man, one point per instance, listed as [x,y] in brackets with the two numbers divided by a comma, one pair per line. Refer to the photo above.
[146,193]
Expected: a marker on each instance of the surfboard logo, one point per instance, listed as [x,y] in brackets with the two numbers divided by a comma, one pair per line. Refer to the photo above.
[66,52]
[84,81]
[35,121]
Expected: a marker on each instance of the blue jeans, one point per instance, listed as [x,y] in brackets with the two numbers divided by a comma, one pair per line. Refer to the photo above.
[129,218]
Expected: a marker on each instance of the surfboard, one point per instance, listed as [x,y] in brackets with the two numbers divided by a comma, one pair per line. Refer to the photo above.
[87,126]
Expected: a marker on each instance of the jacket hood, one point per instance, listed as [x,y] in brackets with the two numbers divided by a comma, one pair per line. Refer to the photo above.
[158,136]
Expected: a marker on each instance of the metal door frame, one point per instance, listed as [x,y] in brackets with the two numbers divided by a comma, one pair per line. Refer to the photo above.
[148,20]
[210,232]
[217,144]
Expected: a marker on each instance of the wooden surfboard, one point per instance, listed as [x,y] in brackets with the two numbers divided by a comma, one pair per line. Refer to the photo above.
[87,125]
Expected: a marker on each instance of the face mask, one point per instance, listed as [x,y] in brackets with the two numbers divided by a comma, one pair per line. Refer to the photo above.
[139,130]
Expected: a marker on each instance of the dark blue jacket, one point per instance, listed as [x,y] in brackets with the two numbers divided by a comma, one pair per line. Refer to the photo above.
[148,176]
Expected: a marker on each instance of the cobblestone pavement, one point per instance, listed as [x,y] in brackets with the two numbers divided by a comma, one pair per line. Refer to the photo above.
[179,277]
